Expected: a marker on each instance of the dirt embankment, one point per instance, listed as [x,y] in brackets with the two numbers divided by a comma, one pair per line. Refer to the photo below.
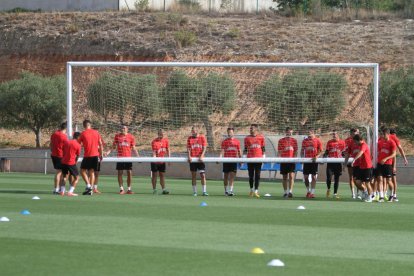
[44,42]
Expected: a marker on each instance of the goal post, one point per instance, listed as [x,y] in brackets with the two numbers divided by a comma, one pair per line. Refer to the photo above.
[280,94]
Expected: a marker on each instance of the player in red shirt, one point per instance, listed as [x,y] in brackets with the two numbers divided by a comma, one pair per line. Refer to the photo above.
[393,136]
[334,149]
[57,140]
[160,148]
[387,150]
[288,147]
[71,152]
[311,148]
[348,151]
[363,174]
[254,146]
[124,144]
[196,147]
[93,148]
[230,147]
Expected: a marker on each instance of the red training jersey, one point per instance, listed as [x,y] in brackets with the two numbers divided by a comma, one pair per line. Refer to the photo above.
[160,146]
[124,144]
[254,145]
[311,147]
[348,142]
[365,162]
[196,145]
[353,150]
[395,139]
[57,140]
[335,148]
[287,147]
[90,140]
[385,149]
[71,150]
[231,147]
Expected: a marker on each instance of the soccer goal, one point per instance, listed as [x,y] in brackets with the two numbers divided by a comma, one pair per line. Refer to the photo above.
[173,96]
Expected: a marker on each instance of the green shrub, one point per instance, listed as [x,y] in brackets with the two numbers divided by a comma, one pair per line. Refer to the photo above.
[185,38]
[141,5]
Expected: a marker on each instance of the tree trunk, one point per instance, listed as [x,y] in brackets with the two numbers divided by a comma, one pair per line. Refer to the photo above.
[38,136]
[209,134]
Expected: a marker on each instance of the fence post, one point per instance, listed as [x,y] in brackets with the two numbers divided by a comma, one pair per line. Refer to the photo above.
[45,162]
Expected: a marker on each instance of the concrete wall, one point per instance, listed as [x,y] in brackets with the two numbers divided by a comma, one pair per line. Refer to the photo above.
[238,6]
[60,5]
[181,170]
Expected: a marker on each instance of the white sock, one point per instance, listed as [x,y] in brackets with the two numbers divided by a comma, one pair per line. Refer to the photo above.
[256,191]
[72,189]
[381,194]
[394,195]
[286,191]
[57,189]
[204,188]
[194,189]
[62,189]
[129,188]
[225,189]
[95,187]
[88,186]
[121,188]
[231,188]
[312,191]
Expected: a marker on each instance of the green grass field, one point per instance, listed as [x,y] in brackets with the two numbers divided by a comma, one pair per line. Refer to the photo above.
[146,234]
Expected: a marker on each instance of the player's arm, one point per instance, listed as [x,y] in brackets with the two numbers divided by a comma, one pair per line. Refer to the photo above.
[264,149]
[100,143]
[401,151]
[394,154]
[360,153]
[189,151]
[134,150]
[203,152]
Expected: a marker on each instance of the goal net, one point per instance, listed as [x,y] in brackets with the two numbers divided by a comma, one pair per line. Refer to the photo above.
[148,96]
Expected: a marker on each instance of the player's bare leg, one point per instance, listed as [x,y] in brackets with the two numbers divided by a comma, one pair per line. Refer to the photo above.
[231,176]
[194,182]
[291,183]
[351,182]
[285,185]
[392,188]
[121,182]
[313,186]
[73,180]
[154,182]
[226,183]
[203,183]
[162,183]
[306,176]
[57,181]
[129,182]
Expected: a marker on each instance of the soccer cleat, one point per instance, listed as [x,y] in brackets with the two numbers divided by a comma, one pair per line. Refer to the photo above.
[129,192]
[72,194]
[165,192]
[381,199]
[56,193]
[386,198]
[285,195]
[205,194]
[88,191]
[376,198]
[391,199]
[96,191]
[226,193]
[256,195]
[308,194]
[353,196]
[194,194]
[369,199]
[251,194]
[121,192]
[328,193]
[311,196]
[394,198]
[290,195]
[231,194]
[336,196]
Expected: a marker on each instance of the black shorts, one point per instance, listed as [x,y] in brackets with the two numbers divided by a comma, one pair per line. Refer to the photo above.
[310,168]
[57,162]
[286,168]
[89,163]
[229,167]
[334,168]
[384,170]
[363,175]
[201,167]
[69,169]
[158,167]
[120,166]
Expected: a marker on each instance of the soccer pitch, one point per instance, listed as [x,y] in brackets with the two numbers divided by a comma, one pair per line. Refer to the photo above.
[146,234]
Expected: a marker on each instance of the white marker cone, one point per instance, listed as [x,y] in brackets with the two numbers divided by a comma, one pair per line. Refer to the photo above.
[275,262]
[301,207]
[35,198]
[4,219]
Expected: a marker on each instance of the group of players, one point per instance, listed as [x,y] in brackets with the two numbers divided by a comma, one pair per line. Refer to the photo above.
[373,183]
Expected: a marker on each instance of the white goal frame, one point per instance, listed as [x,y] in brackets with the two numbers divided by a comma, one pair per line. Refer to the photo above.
[374,66]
